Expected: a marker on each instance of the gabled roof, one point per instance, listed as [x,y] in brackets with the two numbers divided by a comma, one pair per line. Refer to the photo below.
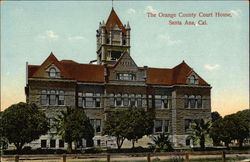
[69,70]
[48,62]
[176,75]
[95,73]
[121,58]
[113,19]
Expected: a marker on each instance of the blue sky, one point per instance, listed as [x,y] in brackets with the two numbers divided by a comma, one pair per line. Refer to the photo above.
[218,52]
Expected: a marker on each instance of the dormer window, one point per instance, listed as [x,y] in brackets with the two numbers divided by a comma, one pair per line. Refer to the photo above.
[193,79]
[125,76]
[53,73]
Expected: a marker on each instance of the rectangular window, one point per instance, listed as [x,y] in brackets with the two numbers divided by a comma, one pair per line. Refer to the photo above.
[98,126]
[89,102]
[186,101]
[52,97]
[158,126]
[188,124]
[158,103]
[61,143]
[125,76]
[199,102]
[52,143]
[44,97]
[166,126]
[97,102]
[43,143]
[165,101]
[111,100]
[61,98]
[96,123]
[139,100]
[150,101]
[80,103]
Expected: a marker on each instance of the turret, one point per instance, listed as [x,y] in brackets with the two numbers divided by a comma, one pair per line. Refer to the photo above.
[113,39]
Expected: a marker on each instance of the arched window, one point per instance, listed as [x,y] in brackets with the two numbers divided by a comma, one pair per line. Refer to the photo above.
[111,100]
[186,101]
[192,79]
[132,100]
[192,101]
[125,100]
[139,100]
[52,72]
[199,101]
[118,100]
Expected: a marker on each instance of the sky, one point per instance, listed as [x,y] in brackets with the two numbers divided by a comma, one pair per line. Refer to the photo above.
[218,51]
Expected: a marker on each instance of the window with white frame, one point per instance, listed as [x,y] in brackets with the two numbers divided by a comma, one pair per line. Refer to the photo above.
[89,100]
[132,102]
[150,102]
[52,97]
[161,126]
[139,100]
[53,73]
[192,101]
[193,80]
[199,101]
[161,102]
[96,123]
[61,98]
[44,97]
[118,100]
[111,99]
[125,76]
[127,100]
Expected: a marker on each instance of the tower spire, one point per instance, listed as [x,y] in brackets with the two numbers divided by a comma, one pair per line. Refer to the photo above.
[112,4]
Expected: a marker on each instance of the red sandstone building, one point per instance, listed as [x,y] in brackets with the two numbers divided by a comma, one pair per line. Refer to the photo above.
[113,81]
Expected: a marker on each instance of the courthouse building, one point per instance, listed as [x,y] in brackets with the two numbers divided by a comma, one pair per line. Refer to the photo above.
[113,81]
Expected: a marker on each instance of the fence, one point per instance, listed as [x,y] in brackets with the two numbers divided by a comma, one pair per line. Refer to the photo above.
[108,157]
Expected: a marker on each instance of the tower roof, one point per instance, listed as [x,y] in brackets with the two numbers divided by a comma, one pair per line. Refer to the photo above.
[113,19]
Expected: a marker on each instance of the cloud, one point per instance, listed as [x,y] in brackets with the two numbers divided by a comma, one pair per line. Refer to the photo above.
[166,37]
[236,13]
[76,38]
[49,34]
[211,67]
[151,9]
[131,11]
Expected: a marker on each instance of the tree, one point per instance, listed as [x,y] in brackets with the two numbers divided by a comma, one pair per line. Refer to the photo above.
[130,123]
[215,116]
[200,131]
[73,125]
[238,125]
[116,125]
[232,127]
[243,126]
[161,143]
[140,124]
[214,131]
[22,123]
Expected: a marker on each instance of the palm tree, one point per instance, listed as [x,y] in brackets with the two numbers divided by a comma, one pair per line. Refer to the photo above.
[161,143]
[200,129]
